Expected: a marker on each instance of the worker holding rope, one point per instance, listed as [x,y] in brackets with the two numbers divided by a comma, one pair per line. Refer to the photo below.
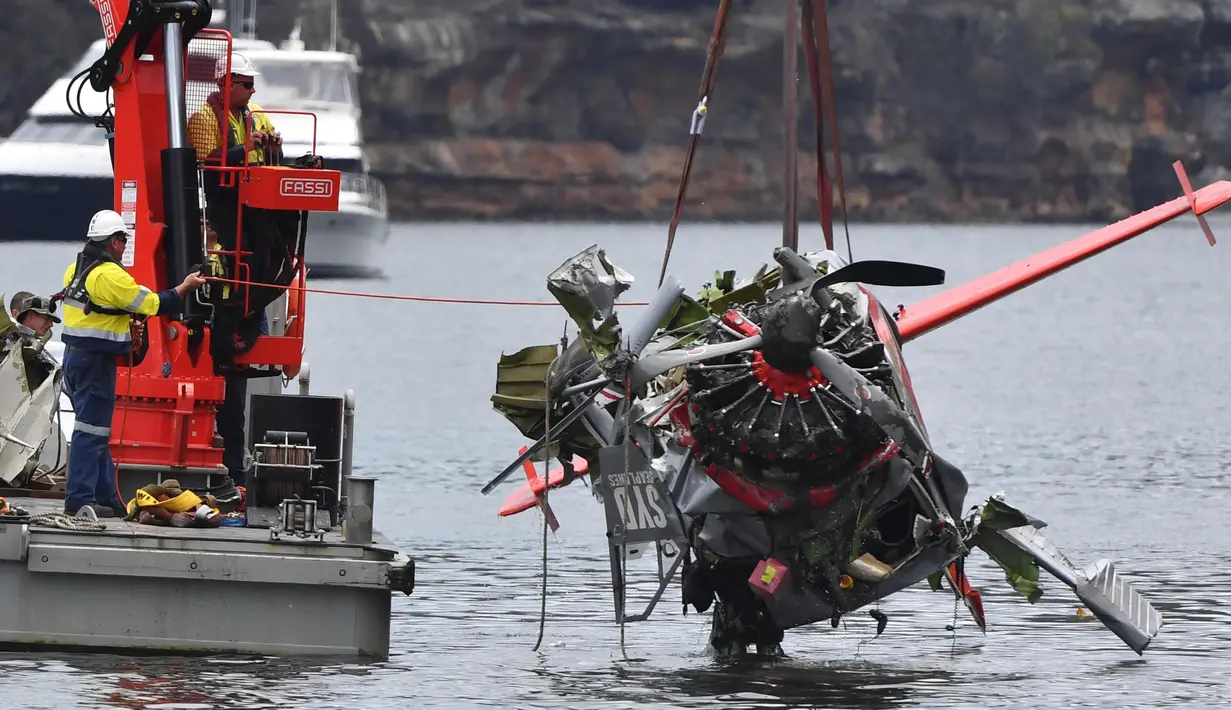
[99,299]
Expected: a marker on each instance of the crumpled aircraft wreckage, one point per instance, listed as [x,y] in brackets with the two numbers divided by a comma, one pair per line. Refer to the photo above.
[30,380]
[763,435]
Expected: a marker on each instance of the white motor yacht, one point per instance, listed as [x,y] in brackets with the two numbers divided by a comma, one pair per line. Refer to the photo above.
[55,169]
[325,83]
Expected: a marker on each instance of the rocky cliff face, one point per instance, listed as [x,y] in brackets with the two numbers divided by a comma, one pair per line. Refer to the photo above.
[576,109]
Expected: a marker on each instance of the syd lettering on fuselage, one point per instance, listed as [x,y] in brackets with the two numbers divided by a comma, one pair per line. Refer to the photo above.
[637,499]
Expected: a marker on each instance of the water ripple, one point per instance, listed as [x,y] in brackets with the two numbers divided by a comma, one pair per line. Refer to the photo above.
[1091,399]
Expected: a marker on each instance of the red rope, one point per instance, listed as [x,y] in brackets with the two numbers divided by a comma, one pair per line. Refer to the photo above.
[394,297]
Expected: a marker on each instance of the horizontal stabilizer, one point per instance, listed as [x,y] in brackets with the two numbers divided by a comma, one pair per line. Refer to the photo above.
[530,493]
[557,430]
[1110,596]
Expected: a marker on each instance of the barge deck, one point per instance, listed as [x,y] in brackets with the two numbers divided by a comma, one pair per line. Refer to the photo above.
[293,565]
[116,585]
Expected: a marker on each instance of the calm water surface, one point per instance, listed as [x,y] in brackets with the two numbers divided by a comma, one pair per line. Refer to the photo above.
[1095,399]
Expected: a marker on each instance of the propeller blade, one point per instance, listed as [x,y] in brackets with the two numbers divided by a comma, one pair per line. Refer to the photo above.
[872,271]
[884,273]
[651,366]
[795,268]
[843,378]
[639,334]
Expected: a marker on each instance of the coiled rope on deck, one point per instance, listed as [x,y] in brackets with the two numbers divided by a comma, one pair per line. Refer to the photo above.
[64,521]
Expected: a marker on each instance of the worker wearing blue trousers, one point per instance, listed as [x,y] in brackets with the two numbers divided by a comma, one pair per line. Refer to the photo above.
[99,299]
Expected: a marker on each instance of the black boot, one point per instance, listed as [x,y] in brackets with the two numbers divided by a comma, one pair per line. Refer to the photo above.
[226,492]
[100,511]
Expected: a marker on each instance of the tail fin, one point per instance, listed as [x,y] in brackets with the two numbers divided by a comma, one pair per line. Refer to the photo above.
[1192,201]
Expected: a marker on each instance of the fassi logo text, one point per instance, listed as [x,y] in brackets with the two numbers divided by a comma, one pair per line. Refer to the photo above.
[104,9]
[306,187]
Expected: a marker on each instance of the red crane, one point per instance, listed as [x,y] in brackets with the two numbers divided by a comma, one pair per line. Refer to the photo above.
[160,65]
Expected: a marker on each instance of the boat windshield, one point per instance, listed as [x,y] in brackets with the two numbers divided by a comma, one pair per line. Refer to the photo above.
[296,83]
[70,131]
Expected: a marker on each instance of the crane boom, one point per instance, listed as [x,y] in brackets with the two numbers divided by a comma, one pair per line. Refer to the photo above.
[161,66]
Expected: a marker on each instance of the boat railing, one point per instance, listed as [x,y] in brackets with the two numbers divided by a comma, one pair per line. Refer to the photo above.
[371,190]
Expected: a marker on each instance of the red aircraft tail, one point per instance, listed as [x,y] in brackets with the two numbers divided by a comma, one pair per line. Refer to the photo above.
[947,307]
[531,493]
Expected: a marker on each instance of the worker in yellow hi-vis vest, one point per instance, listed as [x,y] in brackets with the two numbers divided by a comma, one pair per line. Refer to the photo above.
[204,127]
[99,298]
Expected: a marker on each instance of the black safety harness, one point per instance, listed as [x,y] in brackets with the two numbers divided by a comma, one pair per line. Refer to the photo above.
[88,260]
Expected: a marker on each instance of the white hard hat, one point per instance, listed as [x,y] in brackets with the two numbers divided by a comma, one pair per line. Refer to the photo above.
[105,224]
[240,65]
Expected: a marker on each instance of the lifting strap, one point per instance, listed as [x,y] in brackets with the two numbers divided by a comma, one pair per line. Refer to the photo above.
[790,126]
[820,74]
[824,186]
[816,35]
[717,43]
